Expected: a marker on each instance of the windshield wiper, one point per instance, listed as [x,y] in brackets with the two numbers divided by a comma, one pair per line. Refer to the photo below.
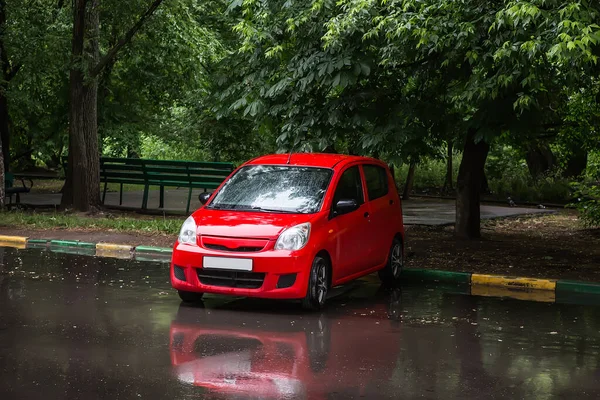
[261,209]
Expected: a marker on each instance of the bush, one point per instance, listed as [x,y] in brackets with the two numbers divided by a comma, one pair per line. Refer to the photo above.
[520,186]
[430,173]
[588,204]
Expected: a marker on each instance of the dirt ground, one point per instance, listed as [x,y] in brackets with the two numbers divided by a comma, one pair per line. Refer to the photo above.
[549,246]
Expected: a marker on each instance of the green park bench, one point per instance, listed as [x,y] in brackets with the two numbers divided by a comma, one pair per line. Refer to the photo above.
[11,189]
[161,173]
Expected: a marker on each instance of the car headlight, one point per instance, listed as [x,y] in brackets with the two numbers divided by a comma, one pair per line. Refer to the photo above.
[187,234]
[293,238]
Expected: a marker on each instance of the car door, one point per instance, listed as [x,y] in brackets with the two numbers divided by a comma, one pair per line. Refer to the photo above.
[352,229]
[381,204]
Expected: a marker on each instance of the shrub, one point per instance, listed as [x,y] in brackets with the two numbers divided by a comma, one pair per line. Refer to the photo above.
[588,204]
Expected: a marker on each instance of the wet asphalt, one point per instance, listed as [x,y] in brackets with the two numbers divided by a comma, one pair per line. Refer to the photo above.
[79,327]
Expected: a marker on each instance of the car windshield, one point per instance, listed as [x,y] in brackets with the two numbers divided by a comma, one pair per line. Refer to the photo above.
[271,188]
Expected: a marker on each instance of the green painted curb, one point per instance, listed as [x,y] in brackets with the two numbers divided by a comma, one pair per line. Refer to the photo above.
[413,274]
[577,287]
[82,251]
[64,243]
[156,257]
[87,245]
[37,243]
[151,249]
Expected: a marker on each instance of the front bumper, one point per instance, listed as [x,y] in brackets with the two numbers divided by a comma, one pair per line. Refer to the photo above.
[272,263]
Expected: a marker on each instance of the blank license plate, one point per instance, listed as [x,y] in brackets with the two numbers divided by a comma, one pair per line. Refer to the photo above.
[235,264]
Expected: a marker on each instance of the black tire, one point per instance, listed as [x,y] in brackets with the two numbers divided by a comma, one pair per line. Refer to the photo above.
[390,274]
[318,285]
[190,297]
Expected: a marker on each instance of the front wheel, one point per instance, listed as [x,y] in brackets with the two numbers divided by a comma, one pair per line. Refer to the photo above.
[190,297]
[318,285]
[390,274]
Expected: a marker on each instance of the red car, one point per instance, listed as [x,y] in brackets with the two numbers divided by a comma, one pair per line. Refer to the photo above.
[291,226]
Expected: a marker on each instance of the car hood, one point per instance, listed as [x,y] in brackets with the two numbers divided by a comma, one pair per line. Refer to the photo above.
[245,224]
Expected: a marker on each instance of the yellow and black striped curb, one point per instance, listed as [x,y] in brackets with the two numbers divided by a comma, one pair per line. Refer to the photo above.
[113,250]
[549,290]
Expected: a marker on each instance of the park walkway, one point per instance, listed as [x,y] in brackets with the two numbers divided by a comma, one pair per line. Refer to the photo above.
[418,211]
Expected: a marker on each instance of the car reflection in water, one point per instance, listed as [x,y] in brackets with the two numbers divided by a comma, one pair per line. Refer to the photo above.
[262,355]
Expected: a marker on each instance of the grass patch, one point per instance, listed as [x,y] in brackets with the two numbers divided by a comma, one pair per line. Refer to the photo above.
[100,222]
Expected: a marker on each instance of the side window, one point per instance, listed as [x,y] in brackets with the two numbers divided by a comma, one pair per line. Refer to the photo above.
[377,181]
[349,187]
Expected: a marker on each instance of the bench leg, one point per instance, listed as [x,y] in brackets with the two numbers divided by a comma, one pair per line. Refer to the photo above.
[162,197]
[18,198]
[121,195]
[187,210]
[104,192]
[145,198]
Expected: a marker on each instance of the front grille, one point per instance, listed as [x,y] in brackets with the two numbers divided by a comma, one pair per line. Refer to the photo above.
[179,273]
[233,279]
[246,249]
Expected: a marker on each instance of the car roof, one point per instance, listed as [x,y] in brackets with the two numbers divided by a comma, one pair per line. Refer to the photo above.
[324,160]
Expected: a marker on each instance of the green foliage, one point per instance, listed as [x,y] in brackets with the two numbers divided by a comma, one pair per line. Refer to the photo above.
[588,204]
[593,166]
[517,183]
[156,148]
[430,173]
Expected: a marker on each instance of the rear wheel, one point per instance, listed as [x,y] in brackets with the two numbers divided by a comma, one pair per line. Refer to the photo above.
[190,297]
[390,274]
[318,285]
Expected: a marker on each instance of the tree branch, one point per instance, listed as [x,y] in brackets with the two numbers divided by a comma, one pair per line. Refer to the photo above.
[13,71]
[112,53]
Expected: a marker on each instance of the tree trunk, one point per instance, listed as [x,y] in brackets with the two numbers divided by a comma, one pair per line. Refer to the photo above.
[448,184]
[539,158]
[468,187]
[576,163]
[7,75]
[410,178]
[485,185]
[1,177]
[82,187]
[4,129]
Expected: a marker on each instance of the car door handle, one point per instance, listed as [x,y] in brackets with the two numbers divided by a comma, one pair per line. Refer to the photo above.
[391,202]
[366,215]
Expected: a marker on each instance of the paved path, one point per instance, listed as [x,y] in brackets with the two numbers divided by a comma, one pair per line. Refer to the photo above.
[74,327]
[416,211]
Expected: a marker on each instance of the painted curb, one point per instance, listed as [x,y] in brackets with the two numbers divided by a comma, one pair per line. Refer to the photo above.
[547,290]
[113,247]
[19,242]
[513,282]
[436,276]
[111,250]
[481,284]
[153,250]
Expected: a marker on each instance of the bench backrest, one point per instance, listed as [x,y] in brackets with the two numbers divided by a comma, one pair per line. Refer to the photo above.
[142,171]
[9,180]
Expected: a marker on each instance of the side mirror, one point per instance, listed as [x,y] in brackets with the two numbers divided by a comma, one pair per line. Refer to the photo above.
[345,206]
[203,197]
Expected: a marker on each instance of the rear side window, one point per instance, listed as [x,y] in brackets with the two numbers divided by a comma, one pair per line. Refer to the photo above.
[377,181]
[349,187]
